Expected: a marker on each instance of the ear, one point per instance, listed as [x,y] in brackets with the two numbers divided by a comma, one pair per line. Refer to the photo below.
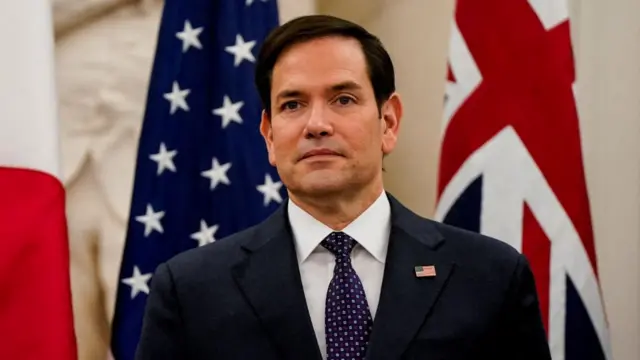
[267,134]
[391,115]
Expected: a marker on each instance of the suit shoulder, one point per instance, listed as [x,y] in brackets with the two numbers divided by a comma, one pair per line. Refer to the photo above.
[482,260]
[477,242]
[219,254]
[455,241]
[482,255]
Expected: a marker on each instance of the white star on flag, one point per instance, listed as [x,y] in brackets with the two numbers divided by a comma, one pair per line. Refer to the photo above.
[270,190]
[217,174]
[229,111]
[139,282]
[189,36]
[249,2]
[164,159]
[206,235]
[151,221]
[241,50]
[178,98]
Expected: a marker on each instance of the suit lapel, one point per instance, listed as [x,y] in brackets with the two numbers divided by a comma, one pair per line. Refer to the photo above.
[405,299]
[269,278]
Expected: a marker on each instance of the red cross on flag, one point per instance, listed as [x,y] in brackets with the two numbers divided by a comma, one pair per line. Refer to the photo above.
[511,162]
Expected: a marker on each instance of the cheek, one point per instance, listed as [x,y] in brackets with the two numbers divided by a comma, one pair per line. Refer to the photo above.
[362,139]
[285,139]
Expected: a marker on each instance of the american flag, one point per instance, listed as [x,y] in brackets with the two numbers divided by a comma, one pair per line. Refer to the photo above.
[511,161]
[425,271]
[202,171]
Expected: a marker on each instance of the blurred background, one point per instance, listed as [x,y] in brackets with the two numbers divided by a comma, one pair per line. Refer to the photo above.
[104,51]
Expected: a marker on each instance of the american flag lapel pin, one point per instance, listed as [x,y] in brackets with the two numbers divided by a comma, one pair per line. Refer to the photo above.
[425,271]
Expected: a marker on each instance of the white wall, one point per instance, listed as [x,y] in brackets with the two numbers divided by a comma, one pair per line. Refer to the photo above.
[608,57]
[288,9]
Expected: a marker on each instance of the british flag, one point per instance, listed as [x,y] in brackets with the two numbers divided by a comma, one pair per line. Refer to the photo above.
[511,161]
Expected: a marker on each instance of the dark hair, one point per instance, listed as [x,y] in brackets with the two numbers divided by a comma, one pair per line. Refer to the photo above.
[305,28]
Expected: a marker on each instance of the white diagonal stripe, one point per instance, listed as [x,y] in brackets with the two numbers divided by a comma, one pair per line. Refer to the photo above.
[466,73]
[550,12]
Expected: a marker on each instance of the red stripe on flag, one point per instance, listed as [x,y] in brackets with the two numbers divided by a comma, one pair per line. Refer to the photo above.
[36,319]
[537,246]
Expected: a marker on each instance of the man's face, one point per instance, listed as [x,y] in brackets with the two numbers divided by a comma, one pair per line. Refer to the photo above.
[325,134]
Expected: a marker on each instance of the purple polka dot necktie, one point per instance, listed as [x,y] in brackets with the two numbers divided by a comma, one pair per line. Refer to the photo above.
[348,320]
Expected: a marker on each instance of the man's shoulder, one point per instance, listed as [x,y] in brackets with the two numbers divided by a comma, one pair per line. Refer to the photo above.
[477,253]
[483,256]
[476,242]
[221,254]
[462,245]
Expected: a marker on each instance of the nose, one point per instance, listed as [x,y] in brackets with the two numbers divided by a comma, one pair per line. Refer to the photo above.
[318,125]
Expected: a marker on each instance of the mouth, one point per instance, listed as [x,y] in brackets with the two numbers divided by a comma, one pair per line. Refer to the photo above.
[319,153]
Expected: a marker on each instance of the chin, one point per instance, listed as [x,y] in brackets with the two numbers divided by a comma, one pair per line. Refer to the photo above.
[322,183]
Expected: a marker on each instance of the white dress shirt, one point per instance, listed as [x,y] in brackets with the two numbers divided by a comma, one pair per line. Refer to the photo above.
[371,232]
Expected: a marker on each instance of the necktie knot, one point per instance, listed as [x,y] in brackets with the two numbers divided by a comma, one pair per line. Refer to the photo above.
[339,243]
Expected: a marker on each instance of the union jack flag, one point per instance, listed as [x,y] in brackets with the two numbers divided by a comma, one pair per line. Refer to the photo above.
[511,162]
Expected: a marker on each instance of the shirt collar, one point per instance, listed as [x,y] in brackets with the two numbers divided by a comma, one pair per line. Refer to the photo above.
[371,229]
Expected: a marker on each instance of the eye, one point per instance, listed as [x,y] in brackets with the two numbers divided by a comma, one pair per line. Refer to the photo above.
[345,100]
[290,105]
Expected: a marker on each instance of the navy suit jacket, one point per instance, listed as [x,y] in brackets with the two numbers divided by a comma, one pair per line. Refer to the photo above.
[242,298]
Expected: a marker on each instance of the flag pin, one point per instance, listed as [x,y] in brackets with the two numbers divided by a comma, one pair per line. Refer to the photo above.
[425,271]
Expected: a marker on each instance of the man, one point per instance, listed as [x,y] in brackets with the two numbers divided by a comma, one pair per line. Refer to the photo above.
[342,270]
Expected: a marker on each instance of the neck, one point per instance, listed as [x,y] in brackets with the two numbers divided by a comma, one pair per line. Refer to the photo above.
[339,210]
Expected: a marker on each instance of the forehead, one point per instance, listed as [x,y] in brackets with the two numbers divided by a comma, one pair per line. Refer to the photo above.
[320,63]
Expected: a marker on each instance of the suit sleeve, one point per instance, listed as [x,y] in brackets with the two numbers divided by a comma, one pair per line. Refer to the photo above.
[162,334]
[523,336]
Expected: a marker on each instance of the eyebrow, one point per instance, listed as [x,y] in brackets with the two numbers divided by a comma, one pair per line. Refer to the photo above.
[345,85]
